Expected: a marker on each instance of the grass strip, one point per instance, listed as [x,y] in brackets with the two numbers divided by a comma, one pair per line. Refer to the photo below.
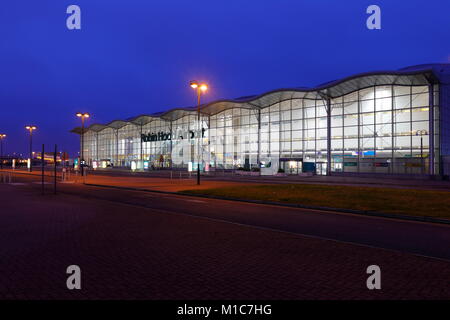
[387,200]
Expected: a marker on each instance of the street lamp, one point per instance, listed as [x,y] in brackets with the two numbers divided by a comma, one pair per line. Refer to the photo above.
[421,133]
[30,129]
[83,116]
[200,87]
[2,136]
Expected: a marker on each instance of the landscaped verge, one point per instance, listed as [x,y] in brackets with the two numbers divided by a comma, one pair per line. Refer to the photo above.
[412,202]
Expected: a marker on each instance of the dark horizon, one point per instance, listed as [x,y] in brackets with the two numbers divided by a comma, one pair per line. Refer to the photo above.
[132,59]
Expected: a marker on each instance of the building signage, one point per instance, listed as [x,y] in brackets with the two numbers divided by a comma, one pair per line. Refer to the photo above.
[164,136]
[160,136]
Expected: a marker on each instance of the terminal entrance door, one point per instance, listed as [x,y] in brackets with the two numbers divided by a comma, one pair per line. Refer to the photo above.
[291,166]
[321,168]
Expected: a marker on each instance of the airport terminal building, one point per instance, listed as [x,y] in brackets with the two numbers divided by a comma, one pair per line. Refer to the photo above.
[386,122]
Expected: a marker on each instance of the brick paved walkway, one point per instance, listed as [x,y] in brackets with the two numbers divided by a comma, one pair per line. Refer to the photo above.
[127,252]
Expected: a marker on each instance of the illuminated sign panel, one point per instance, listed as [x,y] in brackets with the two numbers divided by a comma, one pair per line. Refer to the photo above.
[164,136]
[160,136]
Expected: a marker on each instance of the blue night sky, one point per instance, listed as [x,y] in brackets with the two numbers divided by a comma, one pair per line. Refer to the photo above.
[136,57]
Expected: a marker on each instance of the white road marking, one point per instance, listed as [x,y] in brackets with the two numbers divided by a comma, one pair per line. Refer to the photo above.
[197,201]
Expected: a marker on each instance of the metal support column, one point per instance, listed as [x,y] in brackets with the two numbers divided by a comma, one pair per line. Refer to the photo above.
[117,148]
[392,164]
[96,147]
[142,151]
[328,136]
[431,131]
[360,152]
[171,144]
[209,141]
[258,156]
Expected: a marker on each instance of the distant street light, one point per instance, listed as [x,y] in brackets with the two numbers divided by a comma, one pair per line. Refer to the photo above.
[200,88]
[30,129]
[421,133]
[2,136]
[83,116]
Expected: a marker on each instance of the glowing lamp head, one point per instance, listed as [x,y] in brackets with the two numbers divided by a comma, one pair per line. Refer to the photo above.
[194,84]
[83,115]
[203,87]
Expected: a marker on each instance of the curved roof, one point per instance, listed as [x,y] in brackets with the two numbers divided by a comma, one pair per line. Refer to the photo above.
[413,75]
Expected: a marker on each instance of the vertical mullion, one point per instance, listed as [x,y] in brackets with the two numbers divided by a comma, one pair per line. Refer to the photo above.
[303,129]
[359,130]
[375,132]
[290,133]
[392,131]
[431,130]
[410,123]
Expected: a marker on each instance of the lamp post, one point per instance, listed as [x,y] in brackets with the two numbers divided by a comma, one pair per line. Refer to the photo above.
[200,88]
[83,116]
[30,129]
[421,133]
[2,136]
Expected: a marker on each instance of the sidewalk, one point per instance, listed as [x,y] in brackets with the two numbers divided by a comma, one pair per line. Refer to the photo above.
[182,180]
[139,182]
[398,181]
[132,252]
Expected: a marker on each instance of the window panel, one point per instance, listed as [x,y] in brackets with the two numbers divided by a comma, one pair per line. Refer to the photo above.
[383,104]
[351,132]
[383,117]
[420,114]
[402,102]
[383,92]
[297,114]
[336,121]
[420,100]
[367,106]
[351,107]
[351,120]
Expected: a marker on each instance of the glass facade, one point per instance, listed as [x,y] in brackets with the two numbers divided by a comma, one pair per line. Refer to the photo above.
[378,129]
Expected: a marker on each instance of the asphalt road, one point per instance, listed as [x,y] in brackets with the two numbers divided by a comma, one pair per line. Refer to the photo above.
[425,239]
[377,182]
